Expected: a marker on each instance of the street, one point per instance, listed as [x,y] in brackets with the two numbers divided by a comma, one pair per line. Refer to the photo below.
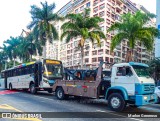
[20,101]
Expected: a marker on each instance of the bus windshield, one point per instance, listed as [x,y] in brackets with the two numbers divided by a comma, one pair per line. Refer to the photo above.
[53,71]
[141,71]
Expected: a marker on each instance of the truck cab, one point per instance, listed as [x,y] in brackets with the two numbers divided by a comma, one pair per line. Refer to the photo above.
[132,84]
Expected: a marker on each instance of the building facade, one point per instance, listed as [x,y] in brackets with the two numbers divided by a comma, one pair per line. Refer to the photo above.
[110,11]
[157,44]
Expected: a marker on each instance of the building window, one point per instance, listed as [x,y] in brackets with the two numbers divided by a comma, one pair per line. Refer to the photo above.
[76,11]
[95,9]
[111,60]
[107,59]
[88,4]
[95,2]
[87,53]
[94,59]
[100,59]
[102,6]
[81,8]
[100,52]
[94,52]
[86,60]
[68,51]
[107,52]
[101,14]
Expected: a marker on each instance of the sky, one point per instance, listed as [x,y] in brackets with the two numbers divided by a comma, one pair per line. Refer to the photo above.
[15,14]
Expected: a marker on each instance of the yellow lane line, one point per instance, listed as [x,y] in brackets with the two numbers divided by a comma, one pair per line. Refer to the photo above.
[29,119]
[5,106]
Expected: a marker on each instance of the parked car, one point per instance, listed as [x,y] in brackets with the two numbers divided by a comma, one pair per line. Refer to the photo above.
[157,91]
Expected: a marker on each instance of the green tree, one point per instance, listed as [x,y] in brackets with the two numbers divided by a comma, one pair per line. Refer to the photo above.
[29,47]
[12,48]
[84,27]
[133,28]
[42,23]
[154,68]
[4,56]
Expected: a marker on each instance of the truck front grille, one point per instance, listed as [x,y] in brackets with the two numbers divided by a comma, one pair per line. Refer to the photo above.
[149,88]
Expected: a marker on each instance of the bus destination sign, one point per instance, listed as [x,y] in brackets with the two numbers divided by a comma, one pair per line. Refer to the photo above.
[52,62]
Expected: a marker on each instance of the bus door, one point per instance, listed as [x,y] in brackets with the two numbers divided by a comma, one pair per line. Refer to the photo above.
[5,79]
[38,74]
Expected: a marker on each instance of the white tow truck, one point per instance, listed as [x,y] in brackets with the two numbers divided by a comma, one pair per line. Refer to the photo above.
[130,83]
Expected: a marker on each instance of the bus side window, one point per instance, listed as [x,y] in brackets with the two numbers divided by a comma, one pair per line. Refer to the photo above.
[26,70]
[23,71]
[19,71]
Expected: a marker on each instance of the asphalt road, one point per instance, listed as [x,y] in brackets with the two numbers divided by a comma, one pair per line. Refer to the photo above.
[44,105]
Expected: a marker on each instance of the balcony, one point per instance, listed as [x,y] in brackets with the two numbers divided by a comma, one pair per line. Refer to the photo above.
[118,7]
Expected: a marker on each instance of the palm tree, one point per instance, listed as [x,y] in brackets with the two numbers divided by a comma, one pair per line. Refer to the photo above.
[3,59]
[42,19]
[134,29]
[29,47]
[84,27]
[12,47]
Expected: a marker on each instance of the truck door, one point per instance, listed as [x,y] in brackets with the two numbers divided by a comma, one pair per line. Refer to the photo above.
[124,77]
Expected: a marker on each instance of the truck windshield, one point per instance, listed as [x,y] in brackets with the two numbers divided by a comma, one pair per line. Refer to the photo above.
[53,71]
[141,71]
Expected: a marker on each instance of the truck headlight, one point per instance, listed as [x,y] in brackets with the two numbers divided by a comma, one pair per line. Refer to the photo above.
[145,97]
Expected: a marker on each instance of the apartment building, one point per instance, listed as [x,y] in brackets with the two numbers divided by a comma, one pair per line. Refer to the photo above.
[110,11]
[157,44]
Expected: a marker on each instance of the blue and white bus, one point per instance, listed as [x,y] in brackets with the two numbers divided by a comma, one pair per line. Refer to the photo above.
[36,76]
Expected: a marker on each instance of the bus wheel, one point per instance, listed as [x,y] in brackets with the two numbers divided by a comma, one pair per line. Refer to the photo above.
[116,102]
[10,86]
[60,94]
[33,89]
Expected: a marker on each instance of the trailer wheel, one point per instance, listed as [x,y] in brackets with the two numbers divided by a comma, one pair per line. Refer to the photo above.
[116,102]
[10,86]
[60,94]
[33,89]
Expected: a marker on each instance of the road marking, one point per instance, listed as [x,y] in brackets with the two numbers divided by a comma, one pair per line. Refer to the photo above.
[119,115]
[30,119]
[8,107]
[5,106]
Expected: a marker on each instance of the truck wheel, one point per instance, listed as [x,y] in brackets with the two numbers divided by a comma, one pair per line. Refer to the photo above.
[10,86]
[60,94]
[116,102]
[33,89]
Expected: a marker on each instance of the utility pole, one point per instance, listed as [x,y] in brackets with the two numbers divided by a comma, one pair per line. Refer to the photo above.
[157,43]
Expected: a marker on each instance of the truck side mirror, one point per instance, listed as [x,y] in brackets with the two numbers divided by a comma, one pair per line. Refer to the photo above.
[124,72]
